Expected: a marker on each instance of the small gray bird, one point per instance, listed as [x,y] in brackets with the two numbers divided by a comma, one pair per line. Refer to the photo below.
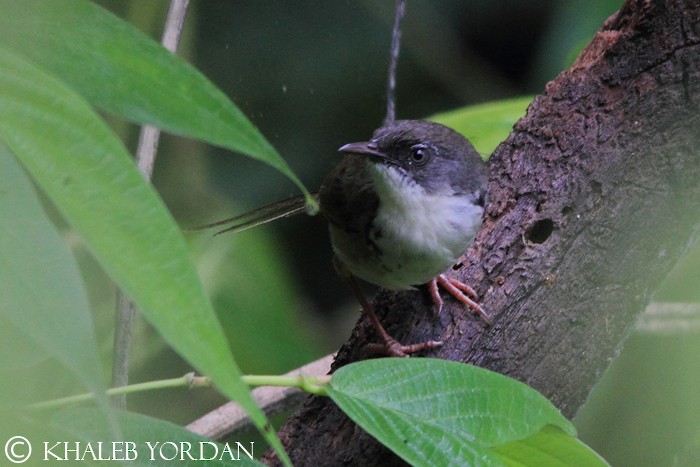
[402,208]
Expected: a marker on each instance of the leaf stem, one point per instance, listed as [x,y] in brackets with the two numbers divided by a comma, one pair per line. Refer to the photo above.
[310,384]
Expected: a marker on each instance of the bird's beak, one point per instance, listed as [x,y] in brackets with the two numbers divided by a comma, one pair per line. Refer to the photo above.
[365,148]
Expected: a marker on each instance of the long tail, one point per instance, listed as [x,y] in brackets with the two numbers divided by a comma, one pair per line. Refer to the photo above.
[277,210]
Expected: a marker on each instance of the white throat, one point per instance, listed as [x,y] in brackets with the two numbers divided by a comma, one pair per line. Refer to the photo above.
[420,233]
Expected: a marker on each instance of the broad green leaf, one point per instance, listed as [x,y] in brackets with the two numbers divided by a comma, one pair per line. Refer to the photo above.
[689,454]
[117,67]
[486,125]
[42,298]
[88,174]
[424,409]
[417,441]
[155,442]
[550,447]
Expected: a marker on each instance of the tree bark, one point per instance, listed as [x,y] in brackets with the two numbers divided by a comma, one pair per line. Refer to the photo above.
[593,198]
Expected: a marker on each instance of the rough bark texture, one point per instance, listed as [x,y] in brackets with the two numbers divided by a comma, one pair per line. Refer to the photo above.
[593,198]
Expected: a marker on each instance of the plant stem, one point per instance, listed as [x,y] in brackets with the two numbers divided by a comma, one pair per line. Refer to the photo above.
[393,62]
[145,158]
[310,384]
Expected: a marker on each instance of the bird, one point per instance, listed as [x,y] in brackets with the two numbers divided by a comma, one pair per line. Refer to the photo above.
[401,208]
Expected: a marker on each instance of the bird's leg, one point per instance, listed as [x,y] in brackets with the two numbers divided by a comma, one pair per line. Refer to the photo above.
[460,291]
[391,346]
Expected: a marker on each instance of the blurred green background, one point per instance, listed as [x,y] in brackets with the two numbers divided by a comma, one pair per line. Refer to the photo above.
[312,76]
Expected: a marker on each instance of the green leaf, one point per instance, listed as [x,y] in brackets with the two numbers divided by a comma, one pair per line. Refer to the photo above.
[486,125]
[550,447]
[432,411]
[235,291]
[117,67]
[155,442]
[42,297]
[88,174]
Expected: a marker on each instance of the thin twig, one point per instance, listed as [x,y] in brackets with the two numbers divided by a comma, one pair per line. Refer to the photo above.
[122,343]
[230,417]
[676,319]
[148,139]
[188,380]
[393,62]
[145,157]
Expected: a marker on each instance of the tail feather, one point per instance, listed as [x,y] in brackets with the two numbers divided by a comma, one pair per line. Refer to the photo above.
[277,210]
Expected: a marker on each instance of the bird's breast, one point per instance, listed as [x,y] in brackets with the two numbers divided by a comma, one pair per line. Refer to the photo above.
[419,233]
[411,236]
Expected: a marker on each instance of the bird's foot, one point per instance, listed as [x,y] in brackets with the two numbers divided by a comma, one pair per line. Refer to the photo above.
[393,348]
[458,290]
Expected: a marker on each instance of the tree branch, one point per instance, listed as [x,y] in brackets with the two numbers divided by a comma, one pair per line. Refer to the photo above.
[593,198]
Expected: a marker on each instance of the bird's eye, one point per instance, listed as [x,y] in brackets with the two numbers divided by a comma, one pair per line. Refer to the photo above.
[419,154]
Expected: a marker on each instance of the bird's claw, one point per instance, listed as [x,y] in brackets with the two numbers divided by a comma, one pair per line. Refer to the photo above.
[458,289]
